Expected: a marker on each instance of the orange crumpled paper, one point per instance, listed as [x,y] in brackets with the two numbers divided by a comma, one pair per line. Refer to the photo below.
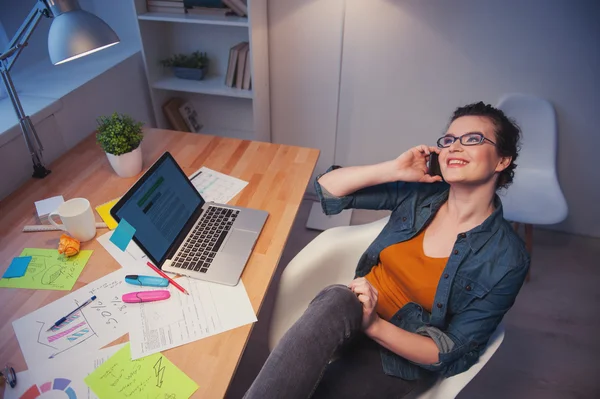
[68,245]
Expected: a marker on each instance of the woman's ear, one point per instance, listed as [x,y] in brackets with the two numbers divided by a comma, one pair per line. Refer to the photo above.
[503,164]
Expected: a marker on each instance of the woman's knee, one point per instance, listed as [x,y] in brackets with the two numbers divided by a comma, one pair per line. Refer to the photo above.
[338,297]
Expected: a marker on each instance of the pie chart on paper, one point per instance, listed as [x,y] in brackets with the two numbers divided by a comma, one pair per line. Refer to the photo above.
[57,388]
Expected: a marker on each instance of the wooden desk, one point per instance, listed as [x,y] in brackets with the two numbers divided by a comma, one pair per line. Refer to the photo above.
[277,174]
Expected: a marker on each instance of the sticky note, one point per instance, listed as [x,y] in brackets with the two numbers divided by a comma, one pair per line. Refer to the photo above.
[49,270]
[152,376]
[44,207]
[17,267]
[122,235]
[104,212]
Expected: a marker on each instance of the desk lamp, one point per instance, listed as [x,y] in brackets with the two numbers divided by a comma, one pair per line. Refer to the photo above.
[74,33]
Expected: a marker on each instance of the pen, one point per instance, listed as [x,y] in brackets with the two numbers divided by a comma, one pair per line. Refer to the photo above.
[62,320]
[162,274]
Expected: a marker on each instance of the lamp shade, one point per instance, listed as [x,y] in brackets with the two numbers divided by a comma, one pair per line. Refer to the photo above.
[77,33]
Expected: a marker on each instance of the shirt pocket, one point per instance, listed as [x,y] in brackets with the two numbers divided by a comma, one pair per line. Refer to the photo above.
[465,291]
[403,217]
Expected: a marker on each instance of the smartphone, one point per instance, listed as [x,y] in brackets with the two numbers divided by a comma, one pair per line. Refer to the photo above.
[434,165]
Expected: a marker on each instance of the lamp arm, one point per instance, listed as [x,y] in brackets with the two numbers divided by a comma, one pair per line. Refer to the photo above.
[19,41]
[7,59]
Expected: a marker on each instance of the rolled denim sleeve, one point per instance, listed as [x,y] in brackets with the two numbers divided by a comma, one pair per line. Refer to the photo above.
[380,197]
[469,331]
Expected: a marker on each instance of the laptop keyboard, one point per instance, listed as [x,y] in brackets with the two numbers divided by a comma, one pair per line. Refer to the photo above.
[202,244]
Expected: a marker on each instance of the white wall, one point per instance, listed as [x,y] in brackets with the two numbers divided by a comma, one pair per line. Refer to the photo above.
[122,88]
[304,63]
[408,64]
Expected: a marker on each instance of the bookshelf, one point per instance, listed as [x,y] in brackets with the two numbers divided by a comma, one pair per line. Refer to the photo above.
[223,110]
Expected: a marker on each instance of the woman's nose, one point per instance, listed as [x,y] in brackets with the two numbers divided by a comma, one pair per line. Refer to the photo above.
[456,146]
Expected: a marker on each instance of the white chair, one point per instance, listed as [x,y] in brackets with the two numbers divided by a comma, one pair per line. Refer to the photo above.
[331,258]
[535,196]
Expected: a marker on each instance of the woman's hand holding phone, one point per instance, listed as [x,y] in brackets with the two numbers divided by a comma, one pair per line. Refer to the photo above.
[411,166]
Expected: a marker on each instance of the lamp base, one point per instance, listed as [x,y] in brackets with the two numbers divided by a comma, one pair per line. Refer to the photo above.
[40,171]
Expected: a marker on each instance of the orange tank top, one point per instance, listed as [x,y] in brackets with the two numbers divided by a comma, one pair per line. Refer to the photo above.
[405,274]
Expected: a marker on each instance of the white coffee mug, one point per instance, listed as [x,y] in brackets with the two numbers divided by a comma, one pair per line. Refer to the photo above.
[77,217]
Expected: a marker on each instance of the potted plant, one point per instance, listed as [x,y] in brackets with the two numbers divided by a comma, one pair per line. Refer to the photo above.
[120,136]
[188,66]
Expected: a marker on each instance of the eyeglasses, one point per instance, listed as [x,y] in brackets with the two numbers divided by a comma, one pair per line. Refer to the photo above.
[9,375]
[473,138]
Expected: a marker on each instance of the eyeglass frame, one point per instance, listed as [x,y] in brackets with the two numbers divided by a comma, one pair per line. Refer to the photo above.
[482,138]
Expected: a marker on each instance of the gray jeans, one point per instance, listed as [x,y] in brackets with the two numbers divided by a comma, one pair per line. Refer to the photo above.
[300,366]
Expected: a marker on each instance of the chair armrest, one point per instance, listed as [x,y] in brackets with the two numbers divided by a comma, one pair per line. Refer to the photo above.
[330,258]
[449,388]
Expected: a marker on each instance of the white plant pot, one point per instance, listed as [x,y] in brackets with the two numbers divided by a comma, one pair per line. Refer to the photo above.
[128,164]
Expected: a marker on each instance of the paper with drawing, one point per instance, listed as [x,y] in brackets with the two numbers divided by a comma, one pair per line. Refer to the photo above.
[64,380]
[93,327]
[151,377]
[209,309]
[49,270]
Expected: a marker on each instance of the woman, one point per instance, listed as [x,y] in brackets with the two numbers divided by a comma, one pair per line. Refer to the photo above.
[433,286]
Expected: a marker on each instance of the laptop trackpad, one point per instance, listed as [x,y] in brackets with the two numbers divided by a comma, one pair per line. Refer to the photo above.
[240,242]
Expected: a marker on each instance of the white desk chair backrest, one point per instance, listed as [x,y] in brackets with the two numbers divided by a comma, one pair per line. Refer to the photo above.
[535,196]
[537,120]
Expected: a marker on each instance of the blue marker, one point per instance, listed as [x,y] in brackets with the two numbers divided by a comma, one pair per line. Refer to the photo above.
[148,281]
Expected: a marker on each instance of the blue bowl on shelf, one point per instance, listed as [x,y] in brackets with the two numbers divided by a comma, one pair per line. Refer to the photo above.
[189,73]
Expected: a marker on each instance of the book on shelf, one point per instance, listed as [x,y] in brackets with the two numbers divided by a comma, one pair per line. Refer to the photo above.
[165,3]
[171,111]
[232,65]
[247,72]
[168,10]
[209,11]
[203,3]
[241,65]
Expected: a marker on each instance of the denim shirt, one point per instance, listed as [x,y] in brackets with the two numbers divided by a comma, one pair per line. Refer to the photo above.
[483,275]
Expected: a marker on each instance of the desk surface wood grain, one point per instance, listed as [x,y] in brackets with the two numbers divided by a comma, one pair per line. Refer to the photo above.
[278,176]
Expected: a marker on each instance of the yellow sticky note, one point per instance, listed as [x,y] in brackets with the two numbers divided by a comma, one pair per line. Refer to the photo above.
[152,376]
[104,212]
[49,270]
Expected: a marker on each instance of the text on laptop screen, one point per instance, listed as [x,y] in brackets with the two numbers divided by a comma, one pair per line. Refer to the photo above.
[160,208]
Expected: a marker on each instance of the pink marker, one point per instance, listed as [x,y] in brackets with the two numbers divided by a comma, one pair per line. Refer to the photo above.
[146,296]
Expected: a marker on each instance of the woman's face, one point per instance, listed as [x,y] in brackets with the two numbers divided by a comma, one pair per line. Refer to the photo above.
[476,164]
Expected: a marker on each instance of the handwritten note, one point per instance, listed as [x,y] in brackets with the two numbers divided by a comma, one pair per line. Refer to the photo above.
[153,376]
[49,270]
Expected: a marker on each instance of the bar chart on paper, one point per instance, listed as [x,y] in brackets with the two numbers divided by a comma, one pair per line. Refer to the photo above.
[215,186]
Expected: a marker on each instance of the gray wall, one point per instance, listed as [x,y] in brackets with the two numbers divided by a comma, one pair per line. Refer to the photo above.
[123,88]
[407,64]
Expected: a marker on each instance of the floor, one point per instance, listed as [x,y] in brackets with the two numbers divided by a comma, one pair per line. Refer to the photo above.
[552,332]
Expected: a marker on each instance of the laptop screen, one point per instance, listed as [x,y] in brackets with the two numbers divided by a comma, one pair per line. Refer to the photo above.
[159,206]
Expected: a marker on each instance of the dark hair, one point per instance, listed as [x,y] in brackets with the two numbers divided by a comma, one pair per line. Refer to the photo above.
[507,133]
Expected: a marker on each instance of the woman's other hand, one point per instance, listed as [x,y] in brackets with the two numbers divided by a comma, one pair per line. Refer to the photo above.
[411,166]
[367,295]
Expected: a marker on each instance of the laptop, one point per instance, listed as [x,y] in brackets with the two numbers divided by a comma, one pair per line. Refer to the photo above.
[181,232]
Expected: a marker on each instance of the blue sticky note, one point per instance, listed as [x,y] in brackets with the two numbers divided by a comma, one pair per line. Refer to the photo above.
[17,267]
[122,235]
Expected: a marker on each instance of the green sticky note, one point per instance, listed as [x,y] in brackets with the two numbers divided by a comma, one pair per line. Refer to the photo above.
[49,270]
[152,376]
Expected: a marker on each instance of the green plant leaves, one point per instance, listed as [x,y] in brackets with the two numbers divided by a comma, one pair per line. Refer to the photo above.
[119,133]
[196,60]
